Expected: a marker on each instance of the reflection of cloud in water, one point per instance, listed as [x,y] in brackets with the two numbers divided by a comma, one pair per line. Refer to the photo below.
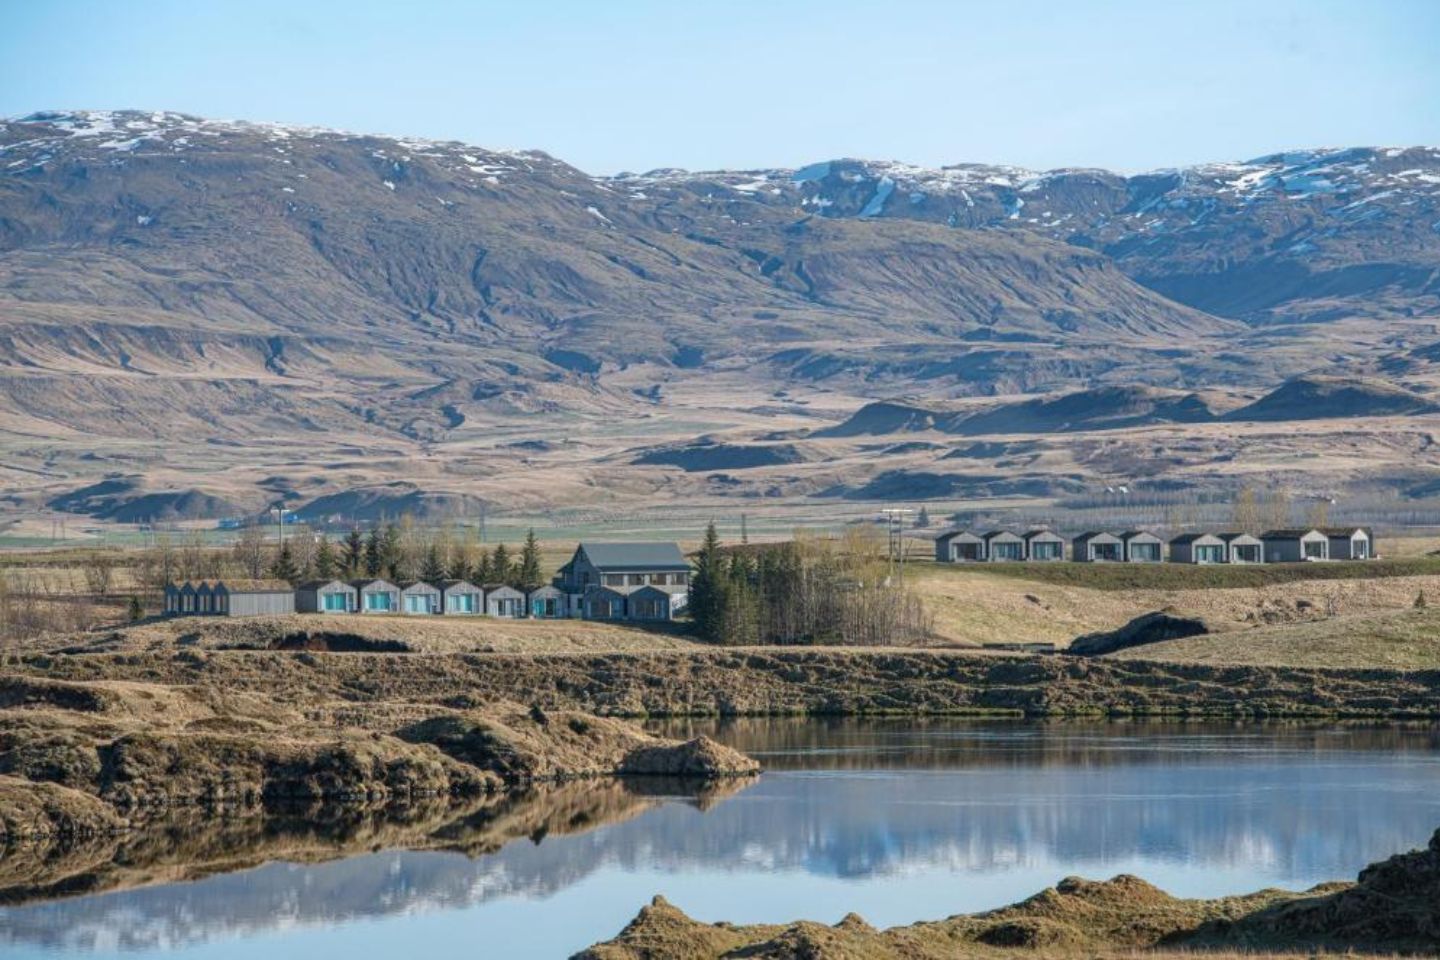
[1275,815]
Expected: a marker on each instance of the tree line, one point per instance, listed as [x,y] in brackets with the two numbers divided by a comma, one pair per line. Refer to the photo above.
[807,590]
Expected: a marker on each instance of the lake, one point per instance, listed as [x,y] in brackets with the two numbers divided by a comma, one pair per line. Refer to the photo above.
[897,820]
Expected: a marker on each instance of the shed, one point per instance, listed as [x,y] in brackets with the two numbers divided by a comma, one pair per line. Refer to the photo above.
[656,603]
[1198,548]
[1142,546]
[174,593]
[1002,546]
[604,603]
[1295,545]
[1350,543]
[326,596]
[420,597]
[460,597]
[1043,544]
[504,601]
[376,596]
[186,596]
[1242,548]
[548,603]
[204,598]
[1095,546]
[253,598]
[959,546]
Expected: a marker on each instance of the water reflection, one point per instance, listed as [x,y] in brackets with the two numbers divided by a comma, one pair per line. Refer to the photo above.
[881,817]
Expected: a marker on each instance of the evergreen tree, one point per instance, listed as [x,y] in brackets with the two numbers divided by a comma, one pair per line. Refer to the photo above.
[707,587]
[500,566]
[136,610]
[352,555]
[284,566]
[484,569]
[391,552]
[922,519]
[434,566]
[459,568]
[529,577]
[374,553]
[325,562]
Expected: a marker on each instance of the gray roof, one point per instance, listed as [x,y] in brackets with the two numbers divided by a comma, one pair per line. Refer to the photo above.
[653,555]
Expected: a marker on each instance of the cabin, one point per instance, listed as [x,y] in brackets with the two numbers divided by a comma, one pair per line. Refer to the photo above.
[204,598]
[1043,545]
[505,601]
[959,546]
[179,598]
[548,603]
[326,596]
[1350,543]
[639,564]
[1242,548]
[1142,546]
[252,598]
[420,597]
[1096,546]
[376,596]
[604,603]
[655,603]
[1198,548]
[1002,546]
[460,597]
[1295,546]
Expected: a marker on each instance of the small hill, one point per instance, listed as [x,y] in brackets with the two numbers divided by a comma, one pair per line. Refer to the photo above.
[1321,398]
[700,457]
[126,500]
[1104,408]
[906,485]
[885,417]
[390,500]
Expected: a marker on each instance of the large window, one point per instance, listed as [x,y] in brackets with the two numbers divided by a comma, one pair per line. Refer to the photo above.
[1045,550]
[1005,551]
[1245,553]
[378,601]
[462,603]
[1209,554]
[614,579]
[1315,549]
[333,602]
[1145,552]
[967,551]
[1359,548]
[417,604]
[1105,551]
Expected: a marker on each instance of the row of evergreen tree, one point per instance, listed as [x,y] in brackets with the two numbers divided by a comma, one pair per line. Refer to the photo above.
[379,553]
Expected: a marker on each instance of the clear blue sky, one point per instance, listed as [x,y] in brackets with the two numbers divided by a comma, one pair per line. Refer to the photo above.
[633,84]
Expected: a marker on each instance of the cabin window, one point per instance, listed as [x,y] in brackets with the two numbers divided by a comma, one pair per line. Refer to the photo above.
[378,601]
[333,602]
[417,604]
[614,579]
[1210,554]
[1005,551]
[1315,549]
[1105,551]
[546,607]
[1145,552]
[967,551]
[462,603]
[1359,548]
[1045,550]
[1246,553]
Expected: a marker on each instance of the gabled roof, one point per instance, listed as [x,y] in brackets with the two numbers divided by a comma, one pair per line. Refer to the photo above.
[1094,534]
[1344,531]
[443,585]
[1235,535]
[628,557]
[255,586]
[1040,531]
[1192,537]
[364,582]
[952,534]
[320,584]
[1132,534]
[1289,533]
[495,587]
[992,534]
[412,584]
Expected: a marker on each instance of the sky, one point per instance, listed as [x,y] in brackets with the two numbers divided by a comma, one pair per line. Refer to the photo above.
[612,85]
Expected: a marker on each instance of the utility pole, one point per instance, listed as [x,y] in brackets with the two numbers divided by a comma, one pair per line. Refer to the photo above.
[744,531]
[895,526]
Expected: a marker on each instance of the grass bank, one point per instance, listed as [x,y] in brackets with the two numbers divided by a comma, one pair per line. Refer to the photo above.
[1178,576]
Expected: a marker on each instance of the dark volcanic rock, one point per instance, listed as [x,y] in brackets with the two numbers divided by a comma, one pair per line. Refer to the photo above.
[1146,628]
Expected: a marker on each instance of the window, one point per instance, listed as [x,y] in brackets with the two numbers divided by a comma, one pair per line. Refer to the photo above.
[417,604]
[1145,552]
[545,607]
[1246,553]
[1359,548]
[658,579]
[1044,550]
[1105,551]
[1005,551]
[333,602]
[679,579]
[1315,549]
[1209,554]
[378,601]
[967,551]
[462,603]
[614,579]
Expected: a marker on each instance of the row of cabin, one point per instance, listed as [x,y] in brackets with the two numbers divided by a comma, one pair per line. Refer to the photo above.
[602,581]
[1140,546]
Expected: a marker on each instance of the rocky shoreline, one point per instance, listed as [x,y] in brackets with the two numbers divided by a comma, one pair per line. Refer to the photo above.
[1394,907]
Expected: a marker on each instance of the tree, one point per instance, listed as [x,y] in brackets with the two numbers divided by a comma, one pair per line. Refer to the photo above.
[136,610]
[326,566]
[391,557]
[707,587]
[284,566]
[484,570]
[250,551]
[352,556]
[462,564]
[1247,510]
[922,519]
[1278,514]
[500,566]
[99,571]
[374,553]
[528,577]
[1319,515]
[434,566]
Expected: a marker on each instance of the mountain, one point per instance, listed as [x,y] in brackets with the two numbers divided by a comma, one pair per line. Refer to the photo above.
[227,313]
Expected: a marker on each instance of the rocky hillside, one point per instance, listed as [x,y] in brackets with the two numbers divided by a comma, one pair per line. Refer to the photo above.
[281,299]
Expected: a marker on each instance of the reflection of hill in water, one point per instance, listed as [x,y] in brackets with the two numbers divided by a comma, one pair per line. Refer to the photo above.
[1278,805]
